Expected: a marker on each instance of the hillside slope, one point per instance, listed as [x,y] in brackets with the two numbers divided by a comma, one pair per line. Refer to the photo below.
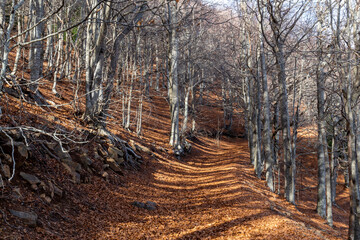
[211,193]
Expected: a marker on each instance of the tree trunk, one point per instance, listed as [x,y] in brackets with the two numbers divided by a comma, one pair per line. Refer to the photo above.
[38,59]
[7,34]
[334,159]
[289,165]
[321,196]
[157,64]
[354,219]
[2,23]
[59,49]
[249,118]
[257,132]
[19,48]
[173,77]
[276,145]
[186,112]
[139,117]
[329,215]
[269,160]
[128,111]
[259,167]
[324,202]
[95,60]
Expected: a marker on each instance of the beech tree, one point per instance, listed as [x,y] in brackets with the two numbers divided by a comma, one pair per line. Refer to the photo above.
[282,21]
[324,204]
[5,35]
[133,49]
[269,158]
[173,91]
[349,87]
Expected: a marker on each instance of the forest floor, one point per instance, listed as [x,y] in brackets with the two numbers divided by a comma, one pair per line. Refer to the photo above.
[211,193]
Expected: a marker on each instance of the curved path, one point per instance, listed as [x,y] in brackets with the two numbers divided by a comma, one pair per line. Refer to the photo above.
[211,194]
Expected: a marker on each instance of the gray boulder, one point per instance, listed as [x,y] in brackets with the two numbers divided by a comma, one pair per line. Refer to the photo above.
[6,171]
[150,206]
[113,165]
[138,204]
[33,180]
[29,218]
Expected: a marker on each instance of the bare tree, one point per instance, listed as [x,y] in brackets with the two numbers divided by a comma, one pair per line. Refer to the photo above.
[324,204]
[282,21]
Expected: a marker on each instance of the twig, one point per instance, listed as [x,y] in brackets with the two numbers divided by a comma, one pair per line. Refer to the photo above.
[24,136]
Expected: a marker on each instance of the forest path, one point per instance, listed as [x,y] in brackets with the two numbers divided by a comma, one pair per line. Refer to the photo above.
[210,194]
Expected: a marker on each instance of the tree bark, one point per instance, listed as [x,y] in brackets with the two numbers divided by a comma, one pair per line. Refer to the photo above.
[95,59]
[38,59]
[321,196]
[7,34]
[289,165]
[269,160]
[334,159]
[173,77]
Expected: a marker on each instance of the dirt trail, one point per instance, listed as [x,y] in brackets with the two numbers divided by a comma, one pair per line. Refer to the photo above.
[211,194]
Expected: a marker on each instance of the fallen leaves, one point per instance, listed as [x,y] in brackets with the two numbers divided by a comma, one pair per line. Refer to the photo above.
[210,194]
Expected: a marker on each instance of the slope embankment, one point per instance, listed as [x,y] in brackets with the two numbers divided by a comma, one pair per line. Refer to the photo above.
[211,193]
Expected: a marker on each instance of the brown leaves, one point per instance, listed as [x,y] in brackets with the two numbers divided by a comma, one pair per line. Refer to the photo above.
[211,194]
